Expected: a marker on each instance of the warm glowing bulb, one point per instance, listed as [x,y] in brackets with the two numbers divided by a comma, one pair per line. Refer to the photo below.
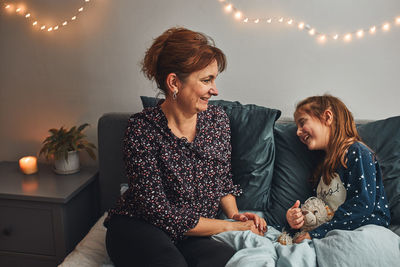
[335,37]
[347,37]
[18,10]
[398,20]
[257,21]
[238,15]
[372,30]
[311,32]
[386,26]
[281,19]
[87,1]
[290,22]
[34,23]
[301,25]
[81,9]
[8,6]
[73,18]
[269,20]
[360,33]
[50,29]
[65,23]
[228,8]
[56,28]
[27,15]
[322,38]
[43,27]
[246,20]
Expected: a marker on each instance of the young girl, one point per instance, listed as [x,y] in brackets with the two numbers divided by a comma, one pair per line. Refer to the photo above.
[349,178]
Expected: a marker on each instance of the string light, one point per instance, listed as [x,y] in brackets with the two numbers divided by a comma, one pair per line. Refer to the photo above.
[21,10]
[320,36]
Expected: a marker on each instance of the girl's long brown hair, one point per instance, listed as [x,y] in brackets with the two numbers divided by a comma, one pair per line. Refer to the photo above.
[343,133]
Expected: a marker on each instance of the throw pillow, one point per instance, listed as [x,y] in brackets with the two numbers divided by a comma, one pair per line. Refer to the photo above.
[293,167]
[383,136]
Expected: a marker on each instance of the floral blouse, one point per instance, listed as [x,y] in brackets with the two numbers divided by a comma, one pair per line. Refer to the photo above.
[173,182]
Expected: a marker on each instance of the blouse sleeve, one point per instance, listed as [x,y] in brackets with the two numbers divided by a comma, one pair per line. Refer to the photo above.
[144,176]
[360,181]
[226,177]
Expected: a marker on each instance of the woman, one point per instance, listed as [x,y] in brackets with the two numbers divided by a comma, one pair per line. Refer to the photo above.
[177,157]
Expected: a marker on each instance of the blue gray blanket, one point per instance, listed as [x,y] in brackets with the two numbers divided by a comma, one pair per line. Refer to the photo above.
[369,245]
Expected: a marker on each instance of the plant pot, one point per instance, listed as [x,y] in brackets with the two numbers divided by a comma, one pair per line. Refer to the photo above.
[69,165]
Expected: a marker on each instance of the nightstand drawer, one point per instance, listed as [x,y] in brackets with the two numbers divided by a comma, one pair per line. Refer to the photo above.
[26,230]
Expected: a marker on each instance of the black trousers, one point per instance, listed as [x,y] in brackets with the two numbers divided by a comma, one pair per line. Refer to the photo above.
[133,242]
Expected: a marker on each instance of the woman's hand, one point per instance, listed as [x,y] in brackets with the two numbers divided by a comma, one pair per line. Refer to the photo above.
[259,222]
[294,216]
[301,237]
[246,225]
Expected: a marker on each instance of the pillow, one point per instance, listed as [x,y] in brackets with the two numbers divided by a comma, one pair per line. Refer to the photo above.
[293,167]
[253,150]
[383,136]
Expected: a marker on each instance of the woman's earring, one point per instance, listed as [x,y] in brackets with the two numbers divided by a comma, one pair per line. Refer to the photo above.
[174,94]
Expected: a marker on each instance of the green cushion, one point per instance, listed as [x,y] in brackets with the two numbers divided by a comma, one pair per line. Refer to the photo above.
[293,168]
[253,149]
[383,137]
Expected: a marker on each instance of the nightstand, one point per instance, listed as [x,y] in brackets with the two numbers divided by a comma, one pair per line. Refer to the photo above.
[44,215]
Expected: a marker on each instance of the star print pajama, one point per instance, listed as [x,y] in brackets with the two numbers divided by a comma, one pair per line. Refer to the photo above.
[365,201]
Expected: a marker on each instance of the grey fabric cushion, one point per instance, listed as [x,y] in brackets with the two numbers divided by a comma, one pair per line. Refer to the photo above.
[253,149]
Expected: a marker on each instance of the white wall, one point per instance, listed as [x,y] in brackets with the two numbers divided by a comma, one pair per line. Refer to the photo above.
[92,66]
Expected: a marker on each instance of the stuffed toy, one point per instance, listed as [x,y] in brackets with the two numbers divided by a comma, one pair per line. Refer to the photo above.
[315,212]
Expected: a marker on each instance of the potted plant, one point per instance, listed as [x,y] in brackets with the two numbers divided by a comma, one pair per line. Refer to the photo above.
[63,146]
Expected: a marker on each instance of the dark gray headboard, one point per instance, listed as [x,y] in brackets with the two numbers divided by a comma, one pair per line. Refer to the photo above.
[111,130]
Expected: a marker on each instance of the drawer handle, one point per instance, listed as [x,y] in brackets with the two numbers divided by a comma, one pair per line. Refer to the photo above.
[7,231]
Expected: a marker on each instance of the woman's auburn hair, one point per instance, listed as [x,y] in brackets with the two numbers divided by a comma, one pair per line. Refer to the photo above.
[180,51]
[343,133]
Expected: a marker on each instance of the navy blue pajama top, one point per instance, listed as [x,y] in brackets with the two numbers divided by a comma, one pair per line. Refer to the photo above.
[172,183]
[365,202]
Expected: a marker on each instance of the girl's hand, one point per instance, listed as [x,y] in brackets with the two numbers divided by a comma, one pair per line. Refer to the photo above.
[294,216]
[260,223]
[300,238]
[246,225]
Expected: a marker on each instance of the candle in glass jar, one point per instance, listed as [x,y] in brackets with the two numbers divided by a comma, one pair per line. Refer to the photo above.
[28,165]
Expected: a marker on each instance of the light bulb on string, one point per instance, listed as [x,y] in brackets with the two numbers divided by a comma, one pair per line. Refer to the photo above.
[347,37]
[386,27]
[320,36]
[20,9]
[238,15]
